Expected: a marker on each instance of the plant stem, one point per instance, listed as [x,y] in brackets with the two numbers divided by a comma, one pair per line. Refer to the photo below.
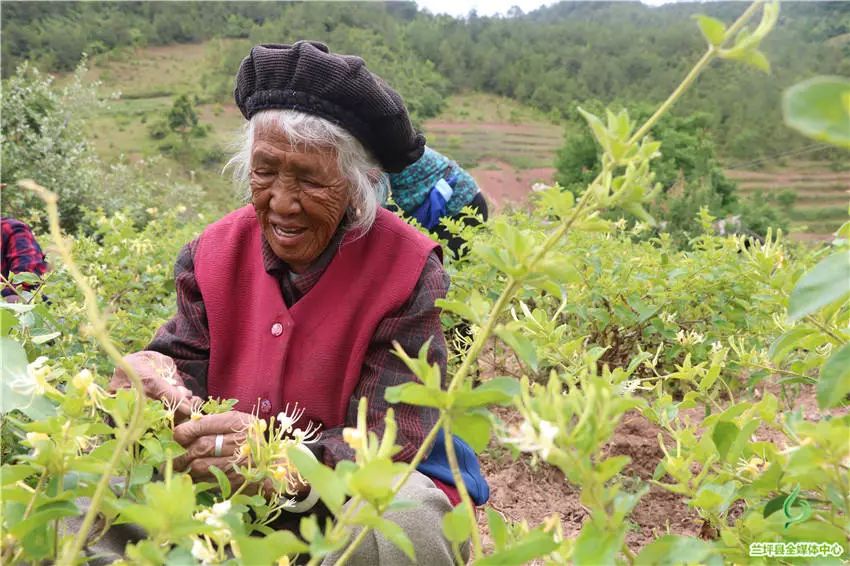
[461,489]
[99,332]
[417,459]
[352,547]
[826,330]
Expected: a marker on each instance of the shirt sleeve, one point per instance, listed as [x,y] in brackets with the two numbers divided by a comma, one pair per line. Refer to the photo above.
[22,252]
[411,326]
[186,337]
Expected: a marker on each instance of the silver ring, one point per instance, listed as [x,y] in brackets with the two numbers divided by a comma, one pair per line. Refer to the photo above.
[219,444]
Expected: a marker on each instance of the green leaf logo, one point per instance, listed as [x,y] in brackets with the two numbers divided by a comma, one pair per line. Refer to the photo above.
[802,505]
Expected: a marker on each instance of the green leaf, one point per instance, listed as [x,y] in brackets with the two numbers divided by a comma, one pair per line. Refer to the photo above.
[497,391]
[456,525]
[415,394]
[755,58]
[834,381]
[612,466]
[395,534]
[374,481]
[43,515]
[714,497]
[723,436]
[820,109]
[826,283]
[498,529]
[269,549]
[223,482]
[524,347]
[774,505]
[12,473]
[13,367]
[598,546]
[788,342]
[674,549]
[473,426]
[459,308]
[43,338]
[533,545]
[320,477]
[713,30]
[7,322]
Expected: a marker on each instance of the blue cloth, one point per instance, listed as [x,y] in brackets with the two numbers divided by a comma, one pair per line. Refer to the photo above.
[436,205]
[437,466]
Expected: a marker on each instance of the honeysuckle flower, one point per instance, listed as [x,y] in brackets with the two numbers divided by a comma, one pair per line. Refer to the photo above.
[689,338]
[83,379]
[35,381]
[309,435]
[353,437]
[669,318]
[286,420]
[214,517]
[540,440]
[203,551]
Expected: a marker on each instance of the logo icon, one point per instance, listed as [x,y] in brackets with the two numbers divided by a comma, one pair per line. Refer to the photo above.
[802,505]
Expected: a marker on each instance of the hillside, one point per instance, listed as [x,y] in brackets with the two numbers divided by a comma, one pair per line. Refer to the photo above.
[506,145]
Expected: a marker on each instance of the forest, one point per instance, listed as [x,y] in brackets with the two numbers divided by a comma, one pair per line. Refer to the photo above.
[648,341]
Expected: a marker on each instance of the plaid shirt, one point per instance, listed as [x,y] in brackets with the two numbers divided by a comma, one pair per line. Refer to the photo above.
[186,339]
[20,252]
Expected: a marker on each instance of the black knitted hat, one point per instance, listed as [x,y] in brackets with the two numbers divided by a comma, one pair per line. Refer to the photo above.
[305,76]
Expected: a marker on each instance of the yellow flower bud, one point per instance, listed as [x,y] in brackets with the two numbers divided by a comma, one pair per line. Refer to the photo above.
[82,380]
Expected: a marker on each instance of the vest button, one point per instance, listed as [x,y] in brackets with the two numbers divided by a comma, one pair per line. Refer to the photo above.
[277,329]
[265,406]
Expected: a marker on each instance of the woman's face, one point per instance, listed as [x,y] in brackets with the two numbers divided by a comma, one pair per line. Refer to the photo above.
[299,194]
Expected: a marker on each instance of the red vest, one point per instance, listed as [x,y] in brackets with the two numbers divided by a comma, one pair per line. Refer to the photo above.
[267,355]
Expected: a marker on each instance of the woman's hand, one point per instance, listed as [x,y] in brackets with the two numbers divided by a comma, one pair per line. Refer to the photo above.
[199,436]
[160,380]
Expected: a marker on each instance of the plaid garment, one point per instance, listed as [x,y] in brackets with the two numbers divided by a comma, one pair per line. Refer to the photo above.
[20,252]
[186,339]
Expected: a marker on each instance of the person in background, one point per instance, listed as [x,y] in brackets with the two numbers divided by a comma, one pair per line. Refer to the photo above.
[433,188]
[20,254]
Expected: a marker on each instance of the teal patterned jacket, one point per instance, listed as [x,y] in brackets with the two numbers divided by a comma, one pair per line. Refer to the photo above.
[410,188]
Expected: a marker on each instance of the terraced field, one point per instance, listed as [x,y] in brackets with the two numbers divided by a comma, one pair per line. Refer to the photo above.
[818,197]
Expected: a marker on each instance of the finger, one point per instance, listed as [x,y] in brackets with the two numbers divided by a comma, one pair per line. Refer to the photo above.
[204,447]
[210,425]
[200,470]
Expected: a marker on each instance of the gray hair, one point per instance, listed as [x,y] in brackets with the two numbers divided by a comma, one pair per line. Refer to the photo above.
[368,184]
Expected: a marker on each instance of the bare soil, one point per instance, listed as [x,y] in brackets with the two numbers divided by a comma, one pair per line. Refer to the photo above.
[520,489]
[503,184]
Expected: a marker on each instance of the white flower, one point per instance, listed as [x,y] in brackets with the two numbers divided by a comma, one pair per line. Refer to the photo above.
[309,435]
[689,338]
[716,346]
[286,420]
[669,318]
[34,381]
[540,441]
[214,517]
[203,551]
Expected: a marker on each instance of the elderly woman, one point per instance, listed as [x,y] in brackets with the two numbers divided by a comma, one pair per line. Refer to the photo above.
[435,187]
[298,297]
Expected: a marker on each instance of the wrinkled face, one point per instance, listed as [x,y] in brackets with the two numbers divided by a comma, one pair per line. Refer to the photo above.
[299,195]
